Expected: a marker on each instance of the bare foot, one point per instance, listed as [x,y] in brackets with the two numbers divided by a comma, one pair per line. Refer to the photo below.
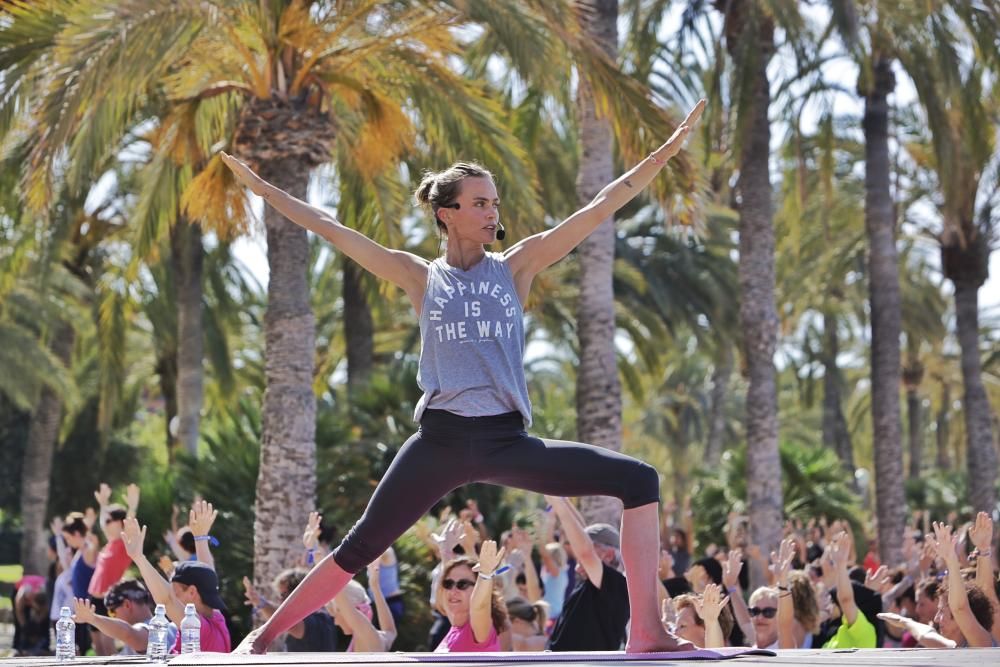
[663,643]
[252,644]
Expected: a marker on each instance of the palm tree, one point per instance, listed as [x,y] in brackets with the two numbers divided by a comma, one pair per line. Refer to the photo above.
[749,36]
[598,387]
[960,111]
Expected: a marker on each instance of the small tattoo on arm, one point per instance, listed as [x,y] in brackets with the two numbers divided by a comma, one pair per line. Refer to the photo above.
[628,182]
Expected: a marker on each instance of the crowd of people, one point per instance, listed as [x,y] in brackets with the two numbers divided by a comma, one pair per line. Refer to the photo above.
[556,584]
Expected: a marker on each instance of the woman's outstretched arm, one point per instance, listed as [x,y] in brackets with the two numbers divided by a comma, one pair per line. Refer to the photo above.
[535,253]
[403,269]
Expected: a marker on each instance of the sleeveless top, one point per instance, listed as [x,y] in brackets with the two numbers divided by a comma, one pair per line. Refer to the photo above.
[472,341]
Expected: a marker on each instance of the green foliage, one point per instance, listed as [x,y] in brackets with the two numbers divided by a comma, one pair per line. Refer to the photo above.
[814,484]
[940,493]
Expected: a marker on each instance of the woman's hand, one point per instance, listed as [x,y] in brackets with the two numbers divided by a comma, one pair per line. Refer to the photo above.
[373,575]
[133,537]
[310,538]
[244,175]
[201,517]
[731,569]
[489,558]
[672,146]
[981,534]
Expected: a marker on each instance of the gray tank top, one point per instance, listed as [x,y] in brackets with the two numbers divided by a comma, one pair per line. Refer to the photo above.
[472,341]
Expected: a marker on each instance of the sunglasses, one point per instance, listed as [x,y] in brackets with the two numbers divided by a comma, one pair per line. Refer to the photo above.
[767,612]
[461,584]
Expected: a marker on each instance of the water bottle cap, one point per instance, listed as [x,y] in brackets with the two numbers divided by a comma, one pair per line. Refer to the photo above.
[160,609]
[65,611]
[189,608]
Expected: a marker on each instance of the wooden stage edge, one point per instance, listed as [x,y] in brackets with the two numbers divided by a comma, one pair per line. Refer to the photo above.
[803,658]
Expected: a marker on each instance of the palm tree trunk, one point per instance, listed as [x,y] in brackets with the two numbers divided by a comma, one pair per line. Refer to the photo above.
[981,456]
[598,388]
[883,288]
[717,416]
[941,431]
[915,432]
[166,371]
[286,483]
[359,331]
[758,316]
[836,435]
[187,259]
[36,471]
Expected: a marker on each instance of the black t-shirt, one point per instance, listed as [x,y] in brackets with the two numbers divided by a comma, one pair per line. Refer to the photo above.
[319,636]
[593,619]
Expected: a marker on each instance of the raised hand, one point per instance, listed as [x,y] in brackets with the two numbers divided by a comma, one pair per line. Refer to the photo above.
[781,562]
[981,532]
[373,574]
[90,517]
[731,569]
[840,551]
[449,536]
[83,611]
[520,539]
[310,537]
[711,603]
[877,580]
[468,538]
[945,544]
[103,494]
[201,517]
[243,173]
[928,555]
[253,599]
[666,568]
[132,494]
[672,146]
[133,537]
[489,558]
[56,525]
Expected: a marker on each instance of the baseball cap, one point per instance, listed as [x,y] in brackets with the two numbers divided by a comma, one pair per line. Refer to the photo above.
[201,576]
[604,533]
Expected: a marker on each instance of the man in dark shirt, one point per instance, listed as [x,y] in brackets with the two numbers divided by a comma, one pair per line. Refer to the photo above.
[596,612]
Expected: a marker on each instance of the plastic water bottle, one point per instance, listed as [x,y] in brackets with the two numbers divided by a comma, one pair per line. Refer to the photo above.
[190,630]
[65,636]
[159,627]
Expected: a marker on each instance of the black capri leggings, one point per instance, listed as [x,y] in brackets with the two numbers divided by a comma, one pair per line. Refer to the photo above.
[449,451]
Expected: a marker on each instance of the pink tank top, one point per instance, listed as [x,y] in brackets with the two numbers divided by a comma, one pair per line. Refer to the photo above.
[461,640]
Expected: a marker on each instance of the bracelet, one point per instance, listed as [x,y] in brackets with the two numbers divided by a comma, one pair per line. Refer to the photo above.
[732,589]
[986,553]
[655,160]
[784,588]
[487,577]
[207,538]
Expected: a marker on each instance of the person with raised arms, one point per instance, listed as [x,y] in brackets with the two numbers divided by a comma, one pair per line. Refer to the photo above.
[475,407]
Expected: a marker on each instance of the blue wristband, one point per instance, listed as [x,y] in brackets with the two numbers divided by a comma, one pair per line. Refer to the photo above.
[207,538]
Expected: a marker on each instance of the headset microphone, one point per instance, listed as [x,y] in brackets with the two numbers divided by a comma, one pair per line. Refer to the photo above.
[500,232]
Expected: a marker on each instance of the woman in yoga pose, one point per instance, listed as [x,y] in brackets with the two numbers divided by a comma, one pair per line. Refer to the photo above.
[475,407]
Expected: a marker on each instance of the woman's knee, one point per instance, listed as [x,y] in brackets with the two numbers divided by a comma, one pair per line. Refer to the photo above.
[642,487]
[355,553]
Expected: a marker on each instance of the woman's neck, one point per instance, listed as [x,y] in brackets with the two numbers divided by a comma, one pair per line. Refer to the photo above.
[464,255]
[458,619]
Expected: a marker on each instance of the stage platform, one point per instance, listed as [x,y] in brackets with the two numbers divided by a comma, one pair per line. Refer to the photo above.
[803,658]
